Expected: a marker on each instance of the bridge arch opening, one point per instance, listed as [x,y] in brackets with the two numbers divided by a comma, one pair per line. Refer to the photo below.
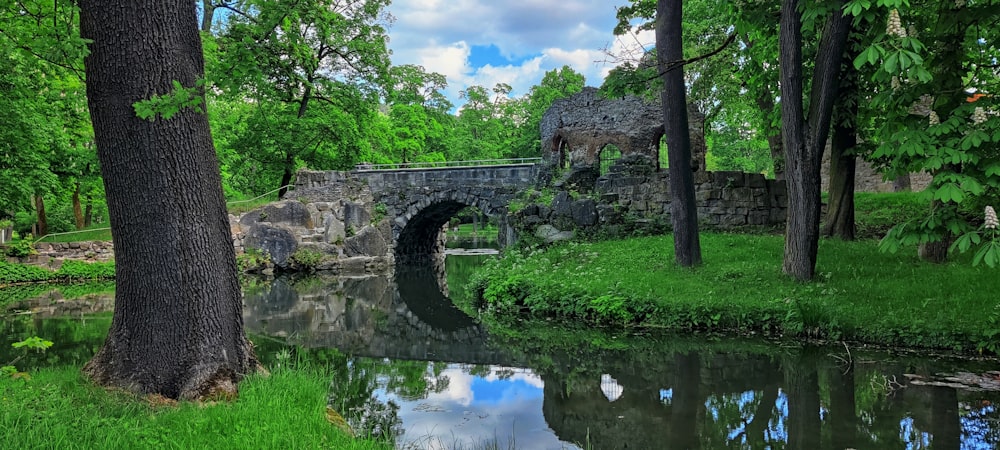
[421,237]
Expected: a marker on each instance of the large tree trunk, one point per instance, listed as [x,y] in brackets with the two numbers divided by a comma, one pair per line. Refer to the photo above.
[683,210]
[43,221]
[177,328]
[804,142]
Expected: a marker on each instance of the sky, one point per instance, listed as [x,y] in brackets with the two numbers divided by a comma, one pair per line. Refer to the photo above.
[484,42]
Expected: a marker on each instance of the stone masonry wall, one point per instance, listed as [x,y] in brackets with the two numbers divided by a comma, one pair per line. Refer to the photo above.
[635,196]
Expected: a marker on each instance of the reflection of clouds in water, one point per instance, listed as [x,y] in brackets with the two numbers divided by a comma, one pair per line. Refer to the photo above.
[610,387]
[479,411]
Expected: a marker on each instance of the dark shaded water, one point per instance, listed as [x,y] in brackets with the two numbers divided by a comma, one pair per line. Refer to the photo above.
[426,373]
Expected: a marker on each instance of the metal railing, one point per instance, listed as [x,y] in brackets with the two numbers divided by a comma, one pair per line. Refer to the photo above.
[366,167]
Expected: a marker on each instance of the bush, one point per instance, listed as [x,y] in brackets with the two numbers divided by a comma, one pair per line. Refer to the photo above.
[20,248]
[79,270]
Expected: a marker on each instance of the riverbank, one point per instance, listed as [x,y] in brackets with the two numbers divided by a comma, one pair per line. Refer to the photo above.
[860,295]
[56,408]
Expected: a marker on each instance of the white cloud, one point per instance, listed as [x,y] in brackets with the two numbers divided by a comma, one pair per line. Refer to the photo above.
[539,35]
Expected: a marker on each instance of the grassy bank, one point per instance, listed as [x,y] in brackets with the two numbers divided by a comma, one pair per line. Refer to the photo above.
[860,295]
[55,408]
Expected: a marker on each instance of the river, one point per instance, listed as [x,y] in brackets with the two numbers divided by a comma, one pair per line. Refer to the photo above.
[412,367]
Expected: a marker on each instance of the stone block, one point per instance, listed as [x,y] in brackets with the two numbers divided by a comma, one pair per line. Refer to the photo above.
[549,234]
[584,212]
[279,243]
[367,242]
[288,212]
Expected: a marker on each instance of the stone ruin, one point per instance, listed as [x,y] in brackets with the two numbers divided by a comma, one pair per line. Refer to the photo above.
[575,130]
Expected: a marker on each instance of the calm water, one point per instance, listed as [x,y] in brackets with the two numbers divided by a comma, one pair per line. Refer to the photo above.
[411,366]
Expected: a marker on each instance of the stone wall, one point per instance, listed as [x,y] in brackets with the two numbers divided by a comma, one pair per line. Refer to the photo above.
[636,196]
[868,179]
[49,252]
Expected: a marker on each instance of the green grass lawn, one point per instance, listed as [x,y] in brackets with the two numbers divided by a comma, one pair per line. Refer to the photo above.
[860,294]
[56,408]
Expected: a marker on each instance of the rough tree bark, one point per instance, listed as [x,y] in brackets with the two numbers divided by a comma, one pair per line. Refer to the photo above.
[77,207]
[843,162]
[683,210]
[43,221]
[177,328]
[804,142]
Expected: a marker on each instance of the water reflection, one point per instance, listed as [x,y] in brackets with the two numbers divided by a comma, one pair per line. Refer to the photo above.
[412,367]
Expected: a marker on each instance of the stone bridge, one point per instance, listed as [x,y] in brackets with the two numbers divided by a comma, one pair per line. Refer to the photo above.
[361,221]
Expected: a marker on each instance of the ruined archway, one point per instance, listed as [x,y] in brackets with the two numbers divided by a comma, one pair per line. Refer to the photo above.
[608,156]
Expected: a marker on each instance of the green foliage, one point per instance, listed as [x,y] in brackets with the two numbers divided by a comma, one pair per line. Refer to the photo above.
[10,295]
[20,248]
[32,343]
[169,104]
[70,271]
[252,259]
[307,258]
[861,295]
[379,212]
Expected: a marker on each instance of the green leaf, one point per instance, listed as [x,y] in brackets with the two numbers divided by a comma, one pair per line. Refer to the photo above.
[949,192]
[891,63]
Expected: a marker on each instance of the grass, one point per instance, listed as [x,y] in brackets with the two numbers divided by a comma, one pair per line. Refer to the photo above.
[860,295]
[56,408]
[99,232]
[466,230]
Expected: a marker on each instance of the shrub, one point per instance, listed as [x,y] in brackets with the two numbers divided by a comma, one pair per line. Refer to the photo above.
[307,258]
[20,248]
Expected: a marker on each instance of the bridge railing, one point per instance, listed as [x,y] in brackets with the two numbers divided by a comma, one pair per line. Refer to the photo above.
[366,167]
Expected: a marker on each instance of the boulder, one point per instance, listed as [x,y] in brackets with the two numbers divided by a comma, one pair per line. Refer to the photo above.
[368,242]
[279,243]
[584,212]
[549,234]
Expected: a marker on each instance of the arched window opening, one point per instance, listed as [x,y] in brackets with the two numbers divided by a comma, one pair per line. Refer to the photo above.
[661,153]
[560,150]
[609,156]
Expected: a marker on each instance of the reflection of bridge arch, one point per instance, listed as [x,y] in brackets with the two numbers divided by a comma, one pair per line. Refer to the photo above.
[406,317]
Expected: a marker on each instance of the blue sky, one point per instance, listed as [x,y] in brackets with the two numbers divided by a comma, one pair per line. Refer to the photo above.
[478,42]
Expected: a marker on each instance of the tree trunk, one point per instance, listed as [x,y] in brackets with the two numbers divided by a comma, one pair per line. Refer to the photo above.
[766,104]
[287,174]
[840,212]
[683,210]
[208,15]
[843,168]
[177,328]
[804,142]
[77,209]
[842,407]
[804,422]
[88,211]
[43,222]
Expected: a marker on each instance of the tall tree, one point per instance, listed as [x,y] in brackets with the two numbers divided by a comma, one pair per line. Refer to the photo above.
[804,141]
[177,328]
[670,57]
[314,67]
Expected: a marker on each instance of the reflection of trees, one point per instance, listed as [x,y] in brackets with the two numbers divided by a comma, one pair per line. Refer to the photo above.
[75,340]
[357,381]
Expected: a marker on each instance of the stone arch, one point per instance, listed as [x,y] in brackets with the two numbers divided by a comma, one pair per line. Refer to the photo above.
[417,234]
[607,156]
[560,151]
